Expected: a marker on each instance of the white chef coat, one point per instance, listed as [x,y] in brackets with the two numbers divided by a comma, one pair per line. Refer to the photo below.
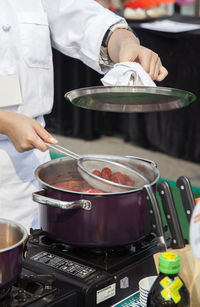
[28,30]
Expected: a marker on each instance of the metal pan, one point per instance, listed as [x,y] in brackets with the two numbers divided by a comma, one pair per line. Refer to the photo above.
[12,240]
[130,98]
[97,220]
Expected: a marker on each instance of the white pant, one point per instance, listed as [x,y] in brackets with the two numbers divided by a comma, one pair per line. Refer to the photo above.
[17,183]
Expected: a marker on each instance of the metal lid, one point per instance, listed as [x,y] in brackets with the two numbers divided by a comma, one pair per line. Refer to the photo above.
[130,98]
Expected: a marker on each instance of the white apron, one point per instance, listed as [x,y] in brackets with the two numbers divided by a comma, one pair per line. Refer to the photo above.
[17,183]
[28,30]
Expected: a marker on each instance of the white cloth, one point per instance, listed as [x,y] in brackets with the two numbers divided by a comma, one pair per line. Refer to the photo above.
[28,30]
[127,73]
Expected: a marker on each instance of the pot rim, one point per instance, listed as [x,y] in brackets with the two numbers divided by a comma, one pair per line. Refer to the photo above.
[20,227]
[153,164]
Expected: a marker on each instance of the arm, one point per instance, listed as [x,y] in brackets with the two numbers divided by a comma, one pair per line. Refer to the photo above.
[83,39]
[123,46]
[78,27]
[24,132]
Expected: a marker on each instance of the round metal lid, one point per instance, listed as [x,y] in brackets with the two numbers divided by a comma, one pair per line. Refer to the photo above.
[130,98]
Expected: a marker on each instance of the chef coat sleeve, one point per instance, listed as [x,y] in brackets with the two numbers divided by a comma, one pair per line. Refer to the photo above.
[77,28]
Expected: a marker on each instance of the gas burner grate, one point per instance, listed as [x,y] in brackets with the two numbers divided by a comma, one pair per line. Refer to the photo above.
[29,289]
[42,239]
[4,293]
[122,250]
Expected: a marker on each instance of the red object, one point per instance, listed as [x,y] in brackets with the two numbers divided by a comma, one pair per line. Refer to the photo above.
[83,186]
[111,7]
[97,173]
[118,178]
[106,173]
[197,200]
[143,4]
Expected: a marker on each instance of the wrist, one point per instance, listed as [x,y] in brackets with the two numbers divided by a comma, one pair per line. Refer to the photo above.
[105,61]
[120,40]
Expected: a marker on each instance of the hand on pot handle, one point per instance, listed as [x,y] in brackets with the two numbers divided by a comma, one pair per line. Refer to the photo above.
[24,132]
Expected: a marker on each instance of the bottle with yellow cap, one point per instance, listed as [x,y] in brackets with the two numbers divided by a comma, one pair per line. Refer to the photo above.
[168,289]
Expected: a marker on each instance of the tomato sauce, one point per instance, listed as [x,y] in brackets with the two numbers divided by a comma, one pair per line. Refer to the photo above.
[77,185]
[83,186]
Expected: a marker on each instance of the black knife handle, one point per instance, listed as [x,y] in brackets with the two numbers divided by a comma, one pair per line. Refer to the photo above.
[171,215]
[155,216]
[187,196]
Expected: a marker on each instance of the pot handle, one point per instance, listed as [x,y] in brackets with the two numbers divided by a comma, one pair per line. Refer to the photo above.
[40,197]
[153,164]
[154,209]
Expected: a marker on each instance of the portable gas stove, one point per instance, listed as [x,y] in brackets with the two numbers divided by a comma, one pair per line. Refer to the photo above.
[56,274]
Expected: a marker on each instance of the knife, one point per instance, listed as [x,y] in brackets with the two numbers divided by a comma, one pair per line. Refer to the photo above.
[156,219]
[187,196]
[169,208]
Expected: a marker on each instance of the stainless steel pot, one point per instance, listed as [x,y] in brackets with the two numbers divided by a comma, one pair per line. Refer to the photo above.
[12,238]
[94,220]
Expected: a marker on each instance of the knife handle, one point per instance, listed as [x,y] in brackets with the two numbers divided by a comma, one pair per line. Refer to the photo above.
[169,208]
[155,217]
[187,196]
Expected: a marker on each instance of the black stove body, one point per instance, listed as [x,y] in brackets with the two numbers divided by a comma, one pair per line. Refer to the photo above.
[55,274]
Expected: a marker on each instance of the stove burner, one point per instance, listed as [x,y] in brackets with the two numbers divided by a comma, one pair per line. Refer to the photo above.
[5,293]
[46,241]
[59,246]
[28,289]
[21,295]
[122,250]
[39,237]
[37,283]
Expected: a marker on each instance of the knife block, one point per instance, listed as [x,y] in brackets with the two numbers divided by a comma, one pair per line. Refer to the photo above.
[190,272]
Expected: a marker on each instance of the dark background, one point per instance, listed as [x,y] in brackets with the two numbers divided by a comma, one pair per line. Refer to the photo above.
[176,133]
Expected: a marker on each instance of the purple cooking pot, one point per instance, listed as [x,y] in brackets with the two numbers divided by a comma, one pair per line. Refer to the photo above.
[94,220]
[12,238]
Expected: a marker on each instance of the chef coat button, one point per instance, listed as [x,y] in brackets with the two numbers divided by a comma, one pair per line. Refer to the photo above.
[6,27]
